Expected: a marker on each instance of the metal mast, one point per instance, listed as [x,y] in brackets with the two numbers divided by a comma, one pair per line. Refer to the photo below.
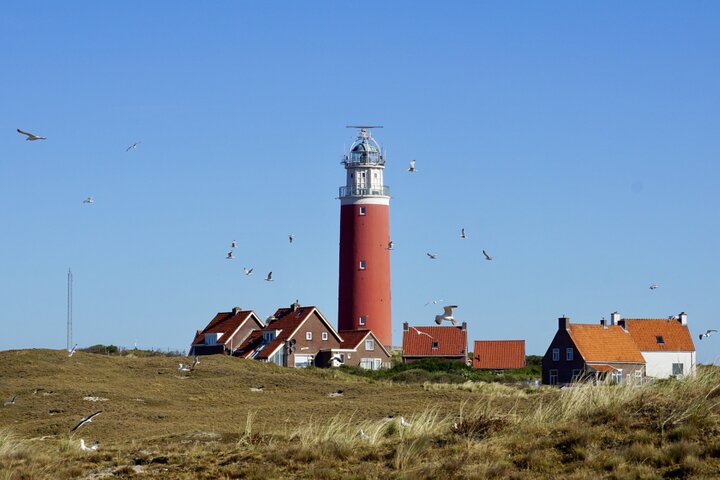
[69,310]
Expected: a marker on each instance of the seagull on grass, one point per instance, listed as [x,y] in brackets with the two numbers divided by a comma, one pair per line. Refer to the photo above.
[487,257]
[707,333]
[31,136]
[247,271]
[363,435]
[259,388]
[269,277]
[133,146]
[85,420]
[338,393]
[411,168]
[432,256]
[183,367]
[11,401]
[405,423]
[91,448]
[447,315]
[71,352]
[195,363]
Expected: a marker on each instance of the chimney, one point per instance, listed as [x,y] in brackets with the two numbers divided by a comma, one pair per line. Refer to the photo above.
[294,306]
[614,318]
[603,322]
[236,310]
[683,318]
[621,323]
[405,327]
[563,323]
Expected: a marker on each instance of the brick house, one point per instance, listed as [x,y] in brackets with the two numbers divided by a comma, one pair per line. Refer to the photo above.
[225,332]
[359,348]
[293,337]
[499,354]
[665,344]
[434,342]
[592,352]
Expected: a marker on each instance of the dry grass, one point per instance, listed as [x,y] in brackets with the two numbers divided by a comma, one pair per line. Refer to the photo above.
[159,424]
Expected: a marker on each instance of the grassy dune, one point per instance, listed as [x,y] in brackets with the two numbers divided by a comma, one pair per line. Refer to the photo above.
[160,423]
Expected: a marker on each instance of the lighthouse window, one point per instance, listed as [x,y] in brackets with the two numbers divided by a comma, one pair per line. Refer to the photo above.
[361,321]
[362,264]
[362,210]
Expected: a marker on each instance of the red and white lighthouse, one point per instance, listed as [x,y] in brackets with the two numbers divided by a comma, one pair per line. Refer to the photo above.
[364,287]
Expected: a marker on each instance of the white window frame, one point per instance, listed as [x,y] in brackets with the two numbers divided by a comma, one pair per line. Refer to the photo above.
[553,377]
[362,211]
[556,354]
[363,265]
[324,336]
[309,359]
[638,376]
[682,369]
[617,376]
[369,344]
[362,320]
[569,354]
[308,335]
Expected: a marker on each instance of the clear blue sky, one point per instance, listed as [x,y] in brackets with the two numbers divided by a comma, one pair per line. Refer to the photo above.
[577,143]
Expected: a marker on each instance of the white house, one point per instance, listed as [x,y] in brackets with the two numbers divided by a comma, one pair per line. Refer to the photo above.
[665,343]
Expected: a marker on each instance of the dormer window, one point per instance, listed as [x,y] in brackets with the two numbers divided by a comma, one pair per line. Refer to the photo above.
[660,340]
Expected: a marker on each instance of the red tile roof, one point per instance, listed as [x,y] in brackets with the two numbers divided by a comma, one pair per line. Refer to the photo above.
[645,332]
[250,343]
[418,342]
[352,338]
[499,354]
[288,321]
[599,344]
[226,323]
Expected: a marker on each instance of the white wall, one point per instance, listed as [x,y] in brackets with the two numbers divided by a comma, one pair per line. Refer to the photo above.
[659,364]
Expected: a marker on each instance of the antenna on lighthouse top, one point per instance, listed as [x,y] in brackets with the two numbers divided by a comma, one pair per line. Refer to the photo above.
[364,129]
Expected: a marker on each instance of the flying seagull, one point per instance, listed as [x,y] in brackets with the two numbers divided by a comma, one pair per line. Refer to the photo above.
[89,200]
[411,168]
[71,352]
[404,422]
[11,401]
[391,245]
[432,256]
[421,333]
[654,286]
[447,315]
[31,136]
[133,146]
[269,277]
[85,420]
[247,271]
[91,448]
[233,244]
[230,255]
[462,233]
[708,333]
[434,302]
[195,363]
[487,257]
[291,237]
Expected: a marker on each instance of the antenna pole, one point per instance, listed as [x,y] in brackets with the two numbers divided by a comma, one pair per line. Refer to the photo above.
[69,310]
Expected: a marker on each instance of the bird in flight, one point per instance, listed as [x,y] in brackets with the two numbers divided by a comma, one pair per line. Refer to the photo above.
[391,245]
[247,271]
[85,420]
[291,237]
[708,333]
[11,401]
[89,200]
[230,255]
[421,333]
[487,257]
[462,233]
[447,315]
[71,352]
[269,277]
[91,448]
[31,136]
[654,286]
[133,146]
[195,363]
[233,244]
[432,256]
[434,302]
[411,168]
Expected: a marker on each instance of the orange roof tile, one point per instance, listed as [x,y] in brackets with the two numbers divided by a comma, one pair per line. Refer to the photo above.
[499,354]
[418,341]
[645,332]
[599,344]
[288,321]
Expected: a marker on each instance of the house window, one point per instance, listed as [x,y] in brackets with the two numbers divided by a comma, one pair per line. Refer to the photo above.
[362,265]
[638,376]
[677,369]
[361,211]
[660,340]
[361,320]
[576,375]
[302,361]
[369,344]
[553,380]
[308,335]
[569,354]
[556,354]
[616,377]
[435,345]
[324,336]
